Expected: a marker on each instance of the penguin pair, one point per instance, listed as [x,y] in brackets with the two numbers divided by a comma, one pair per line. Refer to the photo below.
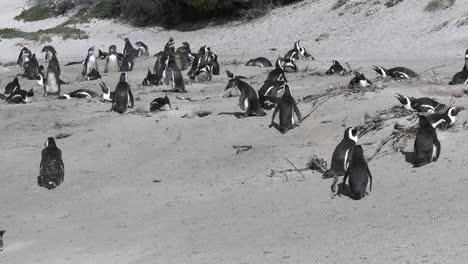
[160,104]
[426,141]
[248,99]
[122,96]
[80,93]
[336,68]
[18,96]
[12,86]
[151,79]
[462,76]
[359,81]
[49,51]
[445,120]
[396,73]
[205,57]
[51,169]
[287,107]
[259,62]
[281,66]
[298,52]
[268,93]
[421,105]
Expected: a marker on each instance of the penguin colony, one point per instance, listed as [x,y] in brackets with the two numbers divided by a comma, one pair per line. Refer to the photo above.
[275,94]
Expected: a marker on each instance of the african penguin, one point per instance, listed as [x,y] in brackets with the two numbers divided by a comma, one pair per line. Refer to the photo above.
[421,105]
[359,175]
[113,61]
[129,48]
[151,79]
[181,60]
[19,96]
[185,49]
[142,49]
[107,94]
[122,96]
[248,99]
[287,107]
[2,233]
[336,68]
[278,73]
[462,76]
[203,73]
[11,87]
[298,52]
[173,76]
[90,62]
[160,104]
[359,81]
[426,140]
[342,156]
[80,93]
[49,51]
[445,120]
[268,92]
[93,75]
[128,61]
[52,169]
[32,69]
[396,73]
[24,57]
[259,62]
[52,81]
[169,48]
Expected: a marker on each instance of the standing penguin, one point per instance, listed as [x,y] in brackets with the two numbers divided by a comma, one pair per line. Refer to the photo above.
[287,107]
[358,173]
[112,60]
[52,82]
[49,51]
[122,96]
[142,49]
[90,62]
[52,169]
[24,57]
[248,99]
[2,232]
[461,77]
[426,140]
[173,76]
[342,156]
[298,52]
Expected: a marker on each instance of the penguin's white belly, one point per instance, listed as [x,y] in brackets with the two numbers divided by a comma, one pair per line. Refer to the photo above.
[52,85]
[246,104]
[112,64]
[91,64]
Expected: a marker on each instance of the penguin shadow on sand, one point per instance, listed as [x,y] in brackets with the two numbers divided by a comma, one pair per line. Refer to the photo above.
[238,115]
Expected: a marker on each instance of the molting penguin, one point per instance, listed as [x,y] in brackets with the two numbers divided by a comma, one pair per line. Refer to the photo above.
[248,99]
[113,61]
[52,82]
[396,73]
[287,107]
[122,96]
[160,104]
[421,105]
[445,120]
[259,62]
[49,51]
[90,62]
[52,169]
[11,87]
[24,57]
[336,68]
[359,174]
[80,93]
[359,81]
[461,77]
[142,49]
[426,140]
[342,156]
[2,233]
[129,48]
[298,52]
[32,70]
[185,50]
[269,92]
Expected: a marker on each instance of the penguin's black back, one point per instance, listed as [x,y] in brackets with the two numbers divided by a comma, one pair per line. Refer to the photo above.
[358,173]
[52,169]
[424,143]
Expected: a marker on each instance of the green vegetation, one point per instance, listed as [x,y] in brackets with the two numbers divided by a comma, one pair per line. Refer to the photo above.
[45,11]
[436,5]
[339,4]
[392,3]
[44,35]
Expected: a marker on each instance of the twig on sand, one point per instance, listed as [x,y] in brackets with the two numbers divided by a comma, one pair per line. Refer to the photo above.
[314,164]
[242,148]
[292,164]
[432,69]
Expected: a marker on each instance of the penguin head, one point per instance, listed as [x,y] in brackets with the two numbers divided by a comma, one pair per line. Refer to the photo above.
[126,40]
[50,142]
[287,91]
[305,54]
[2,232]
[123,77]
[112,49]
[234,82]
[230,74]
[351,133]
[279,63]
[380,70]
[453,111]
[405,101]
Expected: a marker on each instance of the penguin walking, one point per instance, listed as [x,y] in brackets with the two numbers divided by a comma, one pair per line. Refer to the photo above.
[359,175]
[336,68]
[142,49]
[396,73]
[24,57]
[113,61]
[259,62]
[462,76]
[11,87]
[445,120]
[80,93]
[52,169]
[2,233]
[359,81]
[287,107]
[49,51]
[248,99]
[421,105]
[160,104]
[298,52]
[426,140]
[122,96]
[342,156]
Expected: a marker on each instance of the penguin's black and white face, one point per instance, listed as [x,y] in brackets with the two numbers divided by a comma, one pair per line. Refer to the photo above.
[352,133]
[279,63]
[406,101]
[232,83]
[50,142]
[452,113]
